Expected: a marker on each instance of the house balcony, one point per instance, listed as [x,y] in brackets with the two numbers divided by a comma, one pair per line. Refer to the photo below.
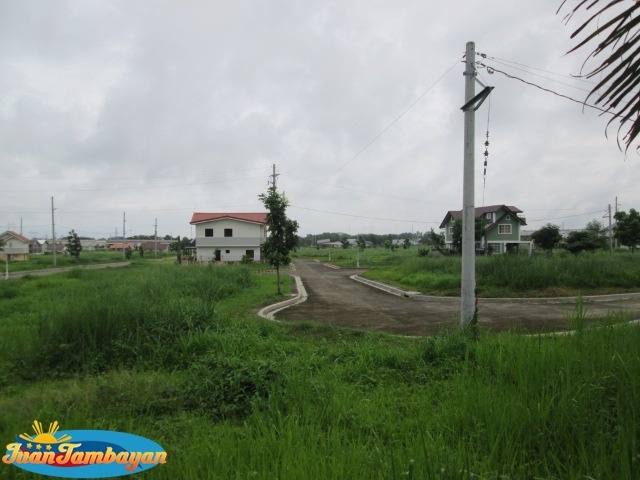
[220,242]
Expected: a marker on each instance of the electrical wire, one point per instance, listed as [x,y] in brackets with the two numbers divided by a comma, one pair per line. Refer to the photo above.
[492,69]
[384,130]
[363,216]
[152,187]
[566,216]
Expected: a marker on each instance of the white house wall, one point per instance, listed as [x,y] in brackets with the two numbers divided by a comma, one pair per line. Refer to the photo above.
[247,236]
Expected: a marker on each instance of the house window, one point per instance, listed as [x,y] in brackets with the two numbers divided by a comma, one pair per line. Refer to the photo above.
[227,251]
[250,254]
[228,232]
[450,230]
[504,229]
[488,216]
[494,247]
[508,217]
[208,232]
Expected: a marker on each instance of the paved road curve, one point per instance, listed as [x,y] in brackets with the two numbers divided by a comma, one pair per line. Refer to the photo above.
[337,299]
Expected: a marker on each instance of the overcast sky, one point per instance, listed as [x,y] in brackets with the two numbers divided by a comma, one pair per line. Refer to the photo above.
[163,108]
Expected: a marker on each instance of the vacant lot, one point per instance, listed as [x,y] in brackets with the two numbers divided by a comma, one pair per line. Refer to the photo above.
[171,353]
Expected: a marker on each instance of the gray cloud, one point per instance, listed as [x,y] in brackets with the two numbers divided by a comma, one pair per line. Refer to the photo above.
[164,108]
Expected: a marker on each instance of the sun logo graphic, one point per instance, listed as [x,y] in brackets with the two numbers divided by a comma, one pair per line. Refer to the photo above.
[43,441]
[82,453]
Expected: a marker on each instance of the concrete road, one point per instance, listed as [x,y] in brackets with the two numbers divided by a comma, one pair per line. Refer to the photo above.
[337,299]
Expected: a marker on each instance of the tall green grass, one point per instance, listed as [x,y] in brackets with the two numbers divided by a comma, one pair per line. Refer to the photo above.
[45,261]
[516,275]
[236,396]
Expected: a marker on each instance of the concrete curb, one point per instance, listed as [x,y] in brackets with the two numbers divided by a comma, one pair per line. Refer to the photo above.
[387,288]
[269,311]
[548,300]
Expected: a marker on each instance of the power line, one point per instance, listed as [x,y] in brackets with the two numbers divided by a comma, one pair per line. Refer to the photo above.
[133,188]
[510,63]
[491,69]
[363,216]
[384,130]
[103,179]
[566,216]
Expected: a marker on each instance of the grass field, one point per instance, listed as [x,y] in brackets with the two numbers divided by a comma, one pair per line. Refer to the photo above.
[173,354]
[42,262]
[498,275]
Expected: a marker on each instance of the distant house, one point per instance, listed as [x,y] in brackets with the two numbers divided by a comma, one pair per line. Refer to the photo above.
[114,247]
[48,247]
[150,246]
[16,246]
[90,244]
[502,228]
[227,237]
[35,246]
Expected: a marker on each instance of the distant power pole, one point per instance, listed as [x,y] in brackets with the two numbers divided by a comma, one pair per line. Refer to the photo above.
[124,216]
[53,232]
[155,239]
[616,240]
[273,177]
[610,232]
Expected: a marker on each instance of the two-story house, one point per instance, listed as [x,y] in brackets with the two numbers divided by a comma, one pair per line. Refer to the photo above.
[502,228]
[15,245]
[227,237]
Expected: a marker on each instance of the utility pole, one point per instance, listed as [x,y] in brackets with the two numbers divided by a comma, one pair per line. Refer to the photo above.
[616,240]
[472,103]
[273,177]
[610,232]
[53,232]
[468,293]
[124,216]
[155,239]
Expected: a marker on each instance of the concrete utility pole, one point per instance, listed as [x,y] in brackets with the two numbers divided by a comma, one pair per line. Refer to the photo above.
[53,232]
[472,103]
[273,176]
[610,232]
[155,239]
[468,294]
[124,215]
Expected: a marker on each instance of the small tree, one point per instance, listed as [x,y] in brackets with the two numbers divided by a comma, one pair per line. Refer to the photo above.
[283,231]
[597,233]
[627,229]
[345,242]
[547,237]
[74,247]
[456,239]
[581,241]
[406,244]
[361,243]
[436,240]
[141,251]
